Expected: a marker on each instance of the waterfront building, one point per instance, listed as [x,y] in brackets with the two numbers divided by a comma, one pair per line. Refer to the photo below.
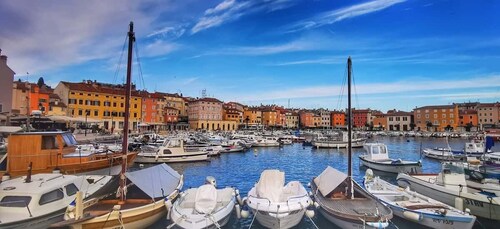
[325,118]
[436,118]
[150,110]
[306,119]
[6,78]
[468,120]
[379,121]
[233,111]
[171,117]
[56,106]
[206,114]
[252,116]
[316,120]
[399,120]
[100,101]
[337,119]
[20,98]
[269,117]
[361,118]
[292,120]
[488,115]
[280,116]
[28,97]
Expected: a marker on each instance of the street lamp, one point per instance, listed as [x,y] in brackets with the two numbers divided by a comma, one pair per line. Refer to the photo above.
[86,125]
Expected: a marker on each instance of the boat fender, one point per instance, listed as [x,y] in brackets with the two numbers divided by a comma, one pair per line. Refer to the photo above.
[245,212]
[378,224]
[238,211]
[310,211]
[459,203]
[316,205]
[369,175]
[156,157]
[310,193]
[244,201]
[415,217]
[238,198]
[309,185]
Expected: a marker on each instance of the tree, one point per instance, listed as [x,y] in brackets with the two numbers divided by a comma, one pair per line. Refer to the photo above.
[429,125]
[448,128]
[412,125]
[40,82]
[367,125]
[468,126]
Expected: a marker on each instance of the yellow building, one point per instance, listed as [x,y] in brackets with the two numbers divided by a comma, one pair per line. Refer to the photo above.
[269,118]
[252,116]
[100,101]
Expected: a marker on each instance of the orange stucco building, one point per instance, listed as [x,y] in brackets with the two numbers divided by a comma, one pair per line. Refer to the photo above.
[436,118]
[337,118]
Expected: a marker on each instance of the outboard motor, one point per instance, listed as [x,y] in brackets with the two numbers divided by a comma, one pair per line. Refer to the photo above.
[211,180]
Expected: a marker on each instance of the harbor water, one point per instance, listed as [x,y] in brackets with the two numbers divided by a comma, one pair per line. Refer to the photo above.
[302,163]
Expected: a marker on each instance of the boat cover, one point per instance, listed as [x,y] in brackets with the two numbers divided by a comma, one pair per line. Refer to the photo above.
[271,184]
[206,199]
[156,181]
[293,188]
[329,179]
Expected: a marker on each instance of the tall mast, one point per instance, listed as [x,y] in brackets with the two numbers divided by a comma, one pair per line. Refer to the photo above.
[349,121]
[131,40]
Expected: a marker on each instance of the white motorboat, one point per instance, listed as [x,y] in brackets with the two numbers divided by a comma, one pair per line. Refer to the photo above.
[276,205]
[377,158]
[171,151]
[443,154]
[415,207]
[338,143]
[266,142]
[450,187]
[40,200]
[203,207]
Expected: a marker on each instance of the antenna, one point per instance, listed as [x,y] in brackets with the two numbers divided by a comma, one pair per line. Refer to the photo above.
[204,93]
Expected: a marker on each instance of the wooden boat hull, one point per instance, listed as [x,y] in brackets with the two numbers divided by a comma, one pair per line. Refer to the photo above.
[404,167]
[140,216]
[478,204]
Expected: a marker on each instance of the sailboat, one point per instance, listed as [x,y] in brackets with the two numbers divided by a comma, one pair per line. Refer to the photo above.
[341,199]
[154,183]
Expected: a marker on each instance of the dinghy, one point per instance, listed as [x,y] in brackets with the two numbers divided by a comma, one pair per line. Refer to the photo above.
[203,207]
[415,207]
[275,205]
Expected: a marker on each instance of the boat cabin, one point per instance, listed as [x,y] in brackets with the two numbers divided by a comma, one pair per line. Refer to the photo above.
[474,147]
[22,200]
[376,151]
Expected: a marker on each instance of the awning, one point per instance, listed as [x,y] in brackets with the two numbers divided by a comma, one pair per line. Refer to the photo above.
[156,181]
[329,179]
[10,129]
[71,119]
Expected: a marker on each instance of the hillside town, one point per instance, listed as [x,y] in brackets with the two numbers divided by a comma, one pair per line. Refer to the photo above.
[99,106]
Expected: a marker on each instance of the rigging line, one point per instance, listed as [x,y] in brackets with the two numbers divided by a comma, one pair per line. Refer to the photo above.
[138,59]
[118,66]
[341,92]
[354,84]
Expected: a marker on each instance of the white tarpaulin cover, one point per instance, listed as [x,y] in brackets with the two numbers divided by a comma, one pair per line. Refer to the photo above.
[206,199]
[329,179]
[271,184]
[156,181]
[293,188]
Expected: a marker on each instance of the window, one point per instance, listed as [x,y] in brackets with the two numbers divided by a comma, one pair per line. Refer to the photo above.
[435,115]
[451,115]
[80,112]
[51,197]
[444,115]
[120,125]
[49,142]
[96,113]
[71,189]
[80,101]
[418,115]
[135,105]
[15,201]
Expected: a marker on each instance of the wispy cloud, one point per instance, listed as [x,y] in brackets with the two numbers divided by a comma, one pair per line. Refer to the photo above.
[158,48]
[169,32]
[337,15]
[230,10]
[406,86]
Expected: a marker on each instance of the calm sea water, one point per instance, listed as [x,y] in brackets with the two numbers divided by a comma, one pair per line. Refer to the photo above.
[242,170]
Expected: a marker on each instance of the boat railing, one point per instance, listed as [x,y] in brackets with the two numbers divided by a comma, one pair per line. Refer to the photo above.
[18,202]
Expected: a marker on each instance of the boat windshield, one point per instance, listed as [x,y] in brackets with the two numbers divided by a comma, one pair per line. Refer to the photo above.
[449,168]
[69,139]
[15,201]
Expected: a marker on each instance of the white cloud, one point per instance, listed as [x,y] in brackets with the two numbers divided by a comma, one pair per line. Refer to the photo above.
[230,10]
[337,15]
[405,86]
[43,35]
[158,48]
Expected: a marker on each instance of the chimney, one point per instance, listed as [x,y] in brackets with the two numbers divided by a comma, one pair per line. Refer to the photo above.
[3,58]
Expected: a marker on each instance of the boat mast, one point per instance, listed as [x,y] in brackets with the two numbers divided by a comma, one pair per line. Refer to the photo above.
[349,125]
[131,40]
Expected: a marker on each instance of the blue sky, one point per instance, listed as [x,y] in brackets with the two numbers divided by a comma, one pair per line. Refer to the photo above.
[405,53]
